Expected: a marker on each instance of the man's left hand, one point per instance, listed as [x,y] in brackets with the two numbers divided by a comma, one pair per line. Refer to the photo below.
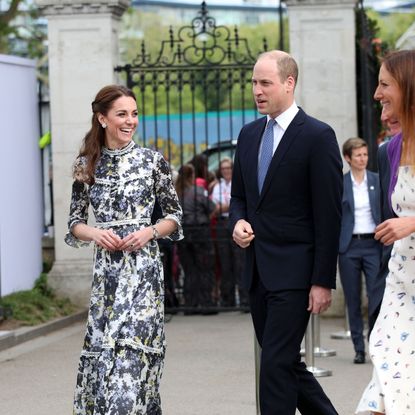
[319,299]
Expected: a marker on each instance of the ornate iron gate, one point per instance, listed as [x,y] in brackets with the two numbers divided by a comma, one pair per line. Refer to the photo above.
[196,93]
[193,98]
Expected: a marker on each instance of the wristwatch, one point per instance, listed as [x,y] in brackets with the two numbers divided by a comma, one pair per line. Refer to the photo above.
[156,234]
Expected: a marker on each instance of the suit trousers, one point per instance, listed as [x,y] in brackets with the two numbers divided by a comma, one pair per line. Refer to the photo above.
[280,319]
[361,255]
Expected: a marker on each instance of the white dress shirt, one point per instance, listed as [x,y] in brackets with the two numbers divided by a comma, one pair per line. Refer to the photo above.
[363,219]
[282,122]
[222,194]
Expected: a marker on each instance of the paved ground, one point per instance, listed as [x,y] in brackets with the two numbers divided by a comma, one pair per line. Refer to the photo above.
[209,369]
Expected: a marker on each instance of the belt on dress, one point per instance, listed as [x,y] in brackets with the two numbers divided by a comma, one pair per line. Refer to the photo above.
[363,235]
[144,221]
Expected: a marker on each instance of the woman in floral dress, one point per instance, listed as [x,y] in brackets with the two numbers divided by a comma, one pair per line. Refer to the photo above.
[122,358]
[392,341]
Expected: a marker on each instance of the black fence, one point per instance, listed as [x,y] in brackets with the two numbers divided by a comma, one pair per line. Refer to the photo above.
[196,93]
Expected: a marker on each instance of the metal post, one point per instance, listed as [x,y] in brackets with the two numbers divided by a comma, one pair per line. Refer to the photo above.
[309,353]
[318,350]
[345,334]
[257,348]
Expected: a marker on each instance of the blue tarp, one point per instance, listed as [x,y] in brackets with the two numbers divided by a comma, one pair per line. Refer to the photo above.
[200,128]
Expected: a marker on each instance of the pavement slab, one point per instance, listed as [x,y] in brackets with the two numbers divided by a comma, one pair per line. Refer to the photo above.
[209,369]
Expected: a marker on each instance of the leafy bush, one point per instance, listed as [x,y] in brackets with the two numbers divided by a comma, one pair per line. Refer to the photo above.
[37,305]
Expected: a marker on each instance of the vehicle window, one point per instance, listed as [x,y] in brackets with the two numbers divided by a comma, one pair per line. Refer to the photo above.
[218,152]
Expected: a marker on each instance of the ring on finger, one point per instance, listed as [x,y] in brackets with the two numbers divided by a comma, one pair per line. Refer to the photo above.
[132,246]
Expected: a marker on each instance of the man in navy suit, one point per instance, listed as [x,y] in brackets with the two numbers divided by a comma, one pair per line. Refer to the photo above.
[358,250]
[286,211]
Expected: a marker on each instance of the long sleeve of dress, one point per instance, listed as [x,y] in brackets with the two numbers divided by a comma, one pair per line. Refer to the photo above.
[78,213]
[167,196]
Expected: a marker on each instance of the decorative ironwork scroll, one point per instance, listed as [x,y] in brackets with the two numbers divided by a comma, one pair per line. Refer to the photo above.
[200,43]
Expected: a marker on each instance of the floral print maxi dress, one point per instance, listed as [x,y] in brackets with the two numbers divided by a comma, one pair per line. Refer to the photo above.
[392,340]
[122,358]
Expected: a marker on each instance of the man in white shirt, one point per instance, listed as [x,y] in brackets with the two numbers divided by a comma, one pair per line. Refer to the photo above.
[358,250]
[285,212]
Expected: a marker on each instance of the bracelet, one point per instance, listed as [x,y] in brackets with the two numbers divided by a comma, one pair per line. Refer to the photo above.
[156,234]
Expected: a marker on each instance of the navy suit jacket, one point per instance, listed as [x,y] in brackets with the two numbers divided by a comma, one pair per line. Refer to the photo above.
[386,213]
[348,207]
[296,218]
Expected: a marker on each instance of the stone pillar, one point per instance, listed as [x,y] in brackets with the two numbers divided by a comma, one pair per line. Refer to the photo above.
[83,51]
[322,40]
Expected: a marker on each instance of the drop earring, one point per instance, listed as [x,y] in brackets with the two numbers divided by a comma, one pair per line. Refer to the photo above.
[103,125]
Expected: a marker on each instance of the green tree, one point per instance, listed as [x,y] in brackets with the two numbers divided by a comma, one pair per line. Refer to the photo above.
[6,29]
[20,31]
[268,31]
[208,90]
[392,26]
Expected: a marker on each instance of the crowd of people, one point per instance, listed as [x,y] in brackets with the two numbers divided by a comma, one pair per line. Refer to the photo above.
[210,260]
[283,204]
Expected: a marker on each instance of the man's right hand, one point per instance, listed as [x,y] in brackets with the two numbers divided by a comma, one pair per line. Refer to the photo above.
[243,233]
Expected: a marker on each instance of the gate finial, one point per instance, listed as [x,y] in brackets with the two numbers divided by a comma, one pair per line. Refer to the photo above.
[203,9]
[203,16]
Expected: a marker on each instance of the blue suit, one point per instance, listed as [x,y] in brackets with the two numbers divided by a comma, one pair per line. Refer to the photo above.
[357,255]
[296,221]
[386,213]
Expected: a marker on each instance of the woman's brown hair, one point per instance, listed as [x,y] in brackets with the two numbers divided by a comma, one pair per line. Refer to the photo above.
[94,139]
[185,178]
[401,66]
[200,164]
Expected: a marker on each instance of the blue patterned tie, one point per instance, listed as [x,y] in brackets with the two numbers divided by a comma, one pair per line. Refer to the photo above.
[266,152]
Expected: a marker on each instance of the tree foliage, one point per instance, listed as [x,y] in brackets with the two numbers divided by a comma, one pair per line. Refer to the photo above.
[20,31]
[392,26]
[208,90]
[6,28]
